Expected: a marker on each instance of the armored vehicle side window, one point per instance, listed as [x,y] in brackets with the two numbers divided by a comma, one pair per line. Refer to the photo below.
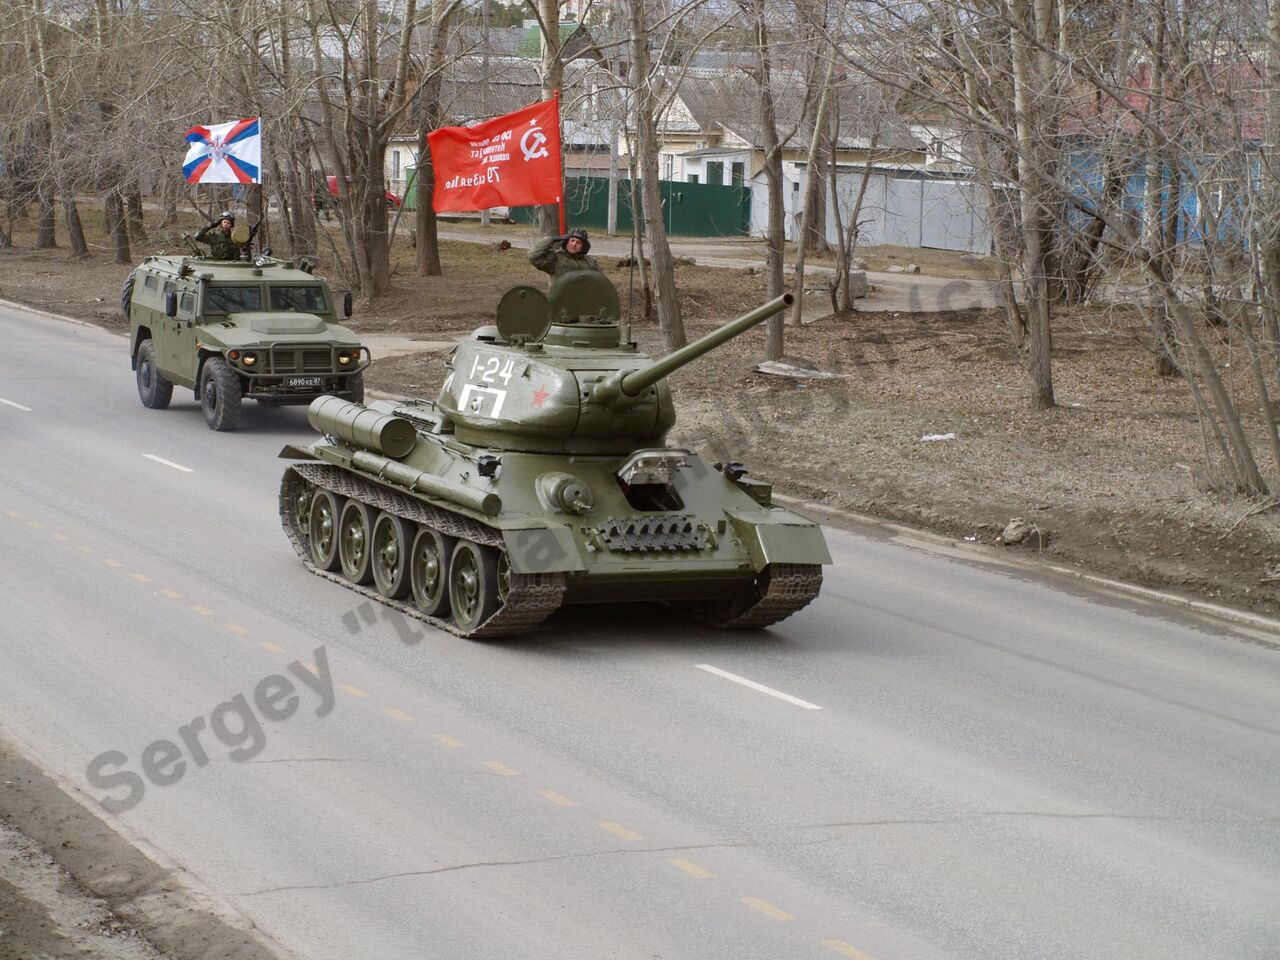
[232,299]
[150,281]
[169,287]
[308,299]
[188,303]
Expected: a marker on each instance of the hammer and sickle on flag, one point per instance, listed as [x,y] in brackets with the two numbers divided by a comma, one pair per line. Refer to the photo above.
[225,152]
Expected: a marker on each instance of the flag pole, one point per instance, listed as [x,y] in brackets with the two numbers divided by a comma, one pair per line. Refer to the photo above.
[560,137]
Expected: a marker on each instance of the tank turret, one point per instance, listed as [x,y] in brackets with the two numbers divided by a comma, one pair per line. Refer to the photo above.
[560,374]
[540,476]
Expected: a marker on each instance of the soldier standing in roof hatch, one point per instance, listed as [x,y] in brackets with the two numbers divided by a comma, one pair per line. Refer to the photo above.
[560,255]
[218,236]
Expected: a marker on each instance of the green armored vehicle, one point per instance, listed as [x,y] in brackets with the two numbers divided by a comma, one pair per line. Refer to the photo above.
[540,477]
[264,329]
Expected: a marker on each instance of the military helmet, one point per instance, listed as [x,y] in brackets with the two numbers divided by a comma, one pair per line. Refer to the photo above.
[581,234]
[227,215]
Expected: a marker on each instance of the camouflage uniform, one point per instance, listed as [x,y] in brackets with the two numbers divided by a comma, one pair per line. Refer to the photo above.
[550,256]
[221,246]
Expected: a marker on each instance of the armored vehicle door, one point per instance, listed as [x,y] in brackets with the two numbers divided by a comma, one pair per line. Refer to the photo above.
[184,334]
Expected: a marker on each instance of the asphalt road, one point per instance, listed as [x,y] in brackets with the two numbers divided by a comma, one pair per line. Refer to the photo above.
[997,768]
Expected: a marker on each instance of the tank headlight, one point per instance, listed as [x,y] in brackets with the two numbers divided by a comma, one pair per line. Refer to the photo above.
[234,354]
[250,359]
[345,359]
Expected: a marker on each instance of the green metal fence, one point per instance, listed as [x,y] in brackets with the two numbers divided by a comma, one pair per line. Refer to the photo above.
[692,209]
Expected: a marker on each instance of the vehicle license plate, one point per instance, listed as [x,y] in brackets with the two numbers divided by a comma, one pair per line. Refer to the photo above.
[304,382]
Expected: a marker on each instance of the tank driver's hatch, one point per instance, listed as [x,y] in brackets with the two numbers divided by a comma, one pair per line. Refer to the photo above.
[524,315]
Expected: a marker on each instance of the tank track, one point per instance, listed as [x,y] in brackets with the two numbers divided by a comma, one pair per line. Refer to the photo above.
[531,599]
[787,587]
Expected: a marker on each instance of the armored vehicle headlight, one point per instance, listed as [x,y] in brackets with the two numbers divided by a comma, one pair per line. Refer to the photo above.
[234,354]
[345,358]
[250,359]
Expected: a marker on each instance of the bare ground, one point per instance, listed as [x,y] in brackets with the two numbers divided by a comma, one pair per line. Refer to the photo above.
[1114,478]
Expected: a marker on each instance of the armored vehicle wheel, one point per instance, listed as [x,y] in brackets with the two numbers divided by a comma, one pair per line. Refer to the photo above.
[326,508]
[392,542]
[428,571]
[153,388]
[298,495]
[473,584]
[220,395]
[355,533]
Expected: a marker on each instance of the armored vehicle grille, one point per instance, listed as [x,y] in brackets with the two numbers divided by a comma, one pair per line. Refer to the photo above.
[652,534]
[307,360]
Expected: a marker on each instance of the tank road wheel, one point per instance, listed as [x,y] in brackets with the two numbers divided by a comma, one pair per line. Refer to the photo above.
[355,535]
[392,542]
[504,578]
[298,496]
[220,395]
[153,388]
[428,569]
[326,508]
[473,585]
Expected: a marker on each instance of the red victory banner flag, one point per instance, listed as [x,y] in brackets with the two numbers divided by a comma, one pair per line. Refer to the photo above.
[509,161]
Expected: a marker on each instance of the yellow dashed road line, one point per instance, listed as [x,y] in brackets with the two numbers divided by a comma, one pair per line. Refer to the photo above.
[203,611]
[113,563]
[396,714]
[767,908]
[83,549]
[846,950]
[35,524]
[60,536]
[310,667]
[140,577]
[692,869]
[560,800]
[273,647]
[354,691]
[13,513]
[235,628]
[448,741]
[501,769]
[170,593]
[618,830]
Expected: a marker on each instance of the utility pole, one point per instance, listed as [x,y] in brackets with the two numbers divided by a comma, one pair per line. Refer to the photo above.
[612,225]
[484,80]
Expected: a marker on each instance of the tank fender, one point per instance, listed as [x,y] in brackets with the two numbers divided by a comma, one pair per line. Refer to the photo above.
[779,536]
[537,547]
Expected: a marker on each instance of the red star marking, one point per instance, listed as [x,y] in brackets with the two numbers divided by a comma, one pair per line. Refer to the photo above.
[540,396]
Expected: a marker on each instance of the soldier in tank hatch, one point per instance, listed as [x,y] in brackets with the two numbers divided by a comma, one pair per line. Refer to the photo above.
[560,255]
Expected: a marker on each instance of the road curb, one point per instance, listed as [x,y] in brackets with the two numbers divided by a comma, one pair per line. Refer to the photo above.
[49,315]
[939,543]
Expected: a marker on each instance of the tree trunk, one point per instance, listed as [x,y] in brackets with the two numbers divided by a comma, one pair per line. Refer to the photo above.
[646,97]
[552,77]
[137,225]
[117,228]
[46,221]
[1034,235]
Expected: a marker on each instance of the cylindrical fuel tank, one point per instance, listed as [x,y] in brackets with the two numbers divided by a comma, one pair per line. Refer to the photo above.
[389,435]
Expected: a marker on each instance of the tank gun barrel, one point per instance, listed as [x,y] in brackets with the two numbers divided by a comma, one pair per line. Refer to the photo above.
[629,384]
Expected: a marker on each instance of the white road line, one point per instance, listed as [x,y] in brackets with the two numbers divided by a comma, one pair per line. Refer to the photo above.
[759,687]
[10,403]
[168,463]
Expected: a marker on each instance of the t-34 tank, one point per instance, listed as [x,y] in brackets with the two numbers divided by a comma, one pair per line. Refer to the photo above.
[541,477]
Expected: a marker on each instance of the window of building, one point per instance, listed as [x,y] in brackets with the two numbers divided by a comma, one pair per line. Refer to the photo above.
[739,173]
[693,178]
[395,164]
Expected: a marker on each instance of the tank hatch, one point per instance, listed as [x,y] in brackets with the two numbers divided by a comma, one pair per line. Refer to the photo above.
[584,309]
